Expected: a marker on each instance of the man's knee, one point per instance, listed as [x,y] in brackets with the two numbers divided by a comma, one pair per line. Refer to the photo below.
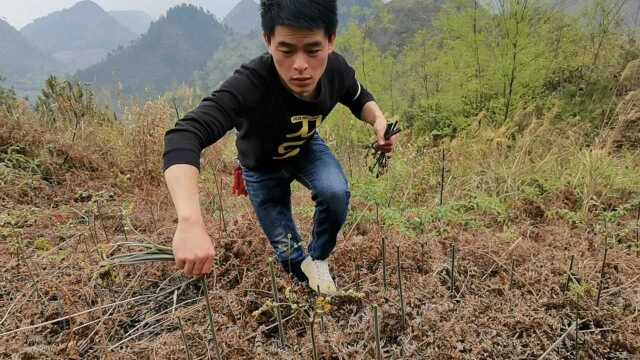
[335,197]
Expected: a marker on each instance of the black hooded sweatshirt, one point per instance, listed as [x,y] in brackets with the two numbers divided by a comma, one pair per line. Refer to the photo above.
[272,123]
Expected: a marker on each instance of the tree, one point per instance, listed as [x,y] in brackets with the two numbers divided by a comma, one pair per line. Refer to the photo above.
[8,99]
[603,18]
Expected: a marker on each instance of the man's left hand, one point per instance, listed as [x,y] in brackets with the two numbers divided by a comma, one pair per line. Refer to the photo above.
[383,145]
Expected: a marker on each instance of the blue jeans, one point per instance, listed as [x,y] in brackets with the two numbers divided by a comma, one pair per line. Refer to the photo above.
[270,193]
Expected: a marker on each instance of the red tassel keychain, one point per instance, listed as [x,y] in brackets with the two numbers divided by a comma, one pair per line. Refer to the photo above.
[239,187]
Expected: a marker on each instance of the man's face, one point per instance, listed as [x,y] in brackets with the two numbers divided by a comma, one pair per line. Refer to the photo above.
[300,57]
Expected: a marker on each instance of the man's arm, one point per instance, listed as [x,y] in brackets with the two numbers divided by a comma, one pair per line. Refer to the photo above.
[192,246]
[372,115]
[203,126]
[362,103]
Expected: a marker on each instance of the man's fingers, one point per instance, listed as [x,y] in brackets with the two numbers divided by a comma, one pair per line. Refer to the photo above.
[180,264]
[188,269]
[385,148]
[199,269]
[206,268]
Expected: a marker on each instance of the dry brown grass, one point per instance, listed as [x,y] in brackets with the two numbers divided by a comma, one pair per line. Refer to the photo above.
[626,134]
[55,233]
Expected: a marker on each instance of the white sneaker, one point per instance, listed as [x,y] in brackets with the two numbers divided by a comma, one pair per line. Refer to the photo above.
[317,272]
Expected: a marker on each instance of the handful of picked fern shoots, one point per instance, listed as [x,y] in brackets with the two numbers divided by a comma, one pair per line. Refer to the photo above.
[151,252]
[380,159]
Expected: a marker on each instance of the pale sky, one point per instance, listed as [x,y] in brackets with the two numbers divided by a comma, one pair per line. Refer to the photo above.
[21,12]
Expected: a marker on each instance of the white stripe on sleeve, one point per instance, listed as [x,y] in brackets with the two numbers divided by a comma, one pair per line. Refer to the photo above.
[359,91]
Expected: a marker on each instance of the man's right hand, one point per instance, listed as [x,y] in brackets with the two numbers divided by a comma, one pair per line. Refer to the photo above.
[193,249]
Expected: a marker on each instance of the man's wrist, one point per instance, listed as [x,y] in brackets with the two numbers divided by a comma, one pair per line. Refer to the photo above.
[380,120]
[379,125]
[190,219]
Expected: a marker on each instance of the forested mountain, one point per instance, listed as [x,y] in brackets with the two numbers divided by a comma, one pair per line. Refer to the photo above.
[407,17]
[167,55]
[345,8]
[18,57]
[629,9]
[136,21]
[243,46]
[78,36]
[235,51]
[244,17]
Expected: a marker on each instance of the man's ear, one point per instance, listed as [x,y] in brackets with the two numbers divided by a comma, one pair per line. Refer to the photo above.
[267,41]
[332,42]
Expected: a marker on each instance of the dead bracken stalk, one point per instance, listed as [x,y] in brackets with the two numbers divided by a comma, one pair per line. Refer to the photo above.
[321,314]
[513,272]
[212,328]
[376,330]
[452,272]
[443,170]
[289,251]
[384,263]
[577,348]
[404,319]
[422,266]
[313,336]
[124,228]
[604,263]
[566,284]
[222,217]
[93,228]
[558,342]
[638,233]
[104,228]
[184,339]
[35,283]
[276,303]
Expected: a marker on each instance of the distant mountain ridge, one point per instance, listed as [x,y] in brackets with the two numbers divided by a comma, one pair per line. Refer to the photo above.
[244,17]
[175,46]
[136,21]
[78,36]
[18,57]
[22,64]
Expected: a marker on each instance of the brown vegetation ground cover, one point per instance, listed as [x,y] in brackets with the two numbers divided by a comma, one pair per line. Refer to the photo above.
[60,218]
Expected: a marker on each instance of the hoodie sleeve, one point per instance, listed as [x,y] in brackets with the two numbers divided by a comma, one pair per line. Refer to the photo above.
[210,121]
[354,95]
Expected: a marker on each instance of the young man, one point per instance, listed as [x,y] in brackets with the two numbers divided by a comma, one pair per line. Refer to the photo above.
[276,102]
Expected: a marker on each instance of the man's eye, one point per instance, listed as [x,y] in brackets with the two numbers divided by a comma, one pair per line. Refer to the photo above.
[286,52]
[314,52]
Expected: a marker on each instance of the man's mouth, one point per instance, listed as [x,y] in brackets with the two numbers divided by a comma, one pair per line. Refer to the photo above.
[301,80]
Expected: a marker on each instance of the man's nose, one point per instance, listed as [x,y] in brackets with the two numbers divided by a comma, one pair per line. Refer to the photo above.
[300,64]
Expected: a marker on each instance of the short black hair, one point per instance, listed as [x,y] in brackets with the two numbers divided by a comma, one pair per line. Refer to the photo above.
[303,14]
